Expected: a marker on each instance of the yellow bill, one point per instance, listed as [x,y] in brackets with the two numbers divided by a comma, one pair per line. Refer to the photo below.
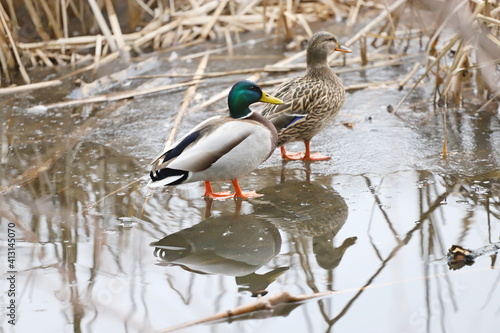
[270,99]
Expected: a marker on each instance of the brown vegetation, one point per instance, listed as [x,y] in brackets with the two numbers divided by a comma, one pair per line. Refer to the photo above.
[460,39]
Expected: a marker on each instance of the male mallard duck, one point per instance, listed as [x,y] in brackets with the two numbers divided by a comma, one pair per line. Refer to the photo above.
[221,147]
[310,101]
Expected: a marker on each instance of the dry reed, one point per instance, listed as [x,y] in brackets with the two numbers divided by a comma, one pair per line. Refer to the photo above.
[38,33]
[460,38]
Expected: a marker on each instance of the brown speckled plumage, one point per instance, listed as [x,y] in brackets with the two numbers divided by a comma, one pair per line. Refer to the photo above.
[319,94]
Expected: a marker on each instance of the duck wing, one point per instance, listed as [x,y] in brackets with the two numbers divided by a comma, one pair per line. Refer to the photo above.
[296,96]
[197,150]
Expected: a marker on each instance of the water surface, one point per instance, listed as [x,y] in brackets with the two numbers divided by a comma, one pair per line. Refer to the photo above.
[97,251]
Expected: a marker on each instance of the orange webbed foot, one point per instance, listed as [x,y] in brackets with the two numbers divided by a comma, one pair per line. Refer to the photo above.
[209,193]
[290,155]
[316,157]
[219,195]
[307,156]
[246,195]
[238,193]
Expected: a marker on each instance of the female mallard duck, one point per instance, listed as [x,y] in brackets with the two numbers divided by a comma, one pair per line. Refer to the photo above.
[221,147]
[310,101]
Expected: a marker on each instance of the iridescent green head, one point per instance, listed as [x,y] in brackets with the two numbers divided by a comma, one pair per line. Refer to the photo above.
[244,93]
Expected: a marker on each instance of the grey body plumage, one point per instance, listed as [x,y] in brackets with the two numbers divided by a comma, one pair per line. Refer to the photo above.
[221,147]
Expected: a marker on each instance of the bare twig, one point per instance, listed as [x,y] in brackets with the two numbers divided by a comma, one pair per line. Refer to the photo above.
[488,19]
[201,75]
[52,21]
[29,87]
[445,135]
[270,302]
[22,70]
[215,17]
[93,204]
[115,96]
[263,303]
[365,85]
[117,31]
[489,101]
[98,51]
[429,68]
[102,24]
[150,35]
[412,72]
[36,20]
[44,58]
[4,58]
[110,57]
[65,23]
[220,49]
[188,95]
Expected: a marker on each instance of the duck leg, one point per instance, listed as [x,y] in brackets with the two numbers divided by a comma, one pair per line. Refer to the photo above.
[313,156]
[238,193]
[307,156]
[209,193]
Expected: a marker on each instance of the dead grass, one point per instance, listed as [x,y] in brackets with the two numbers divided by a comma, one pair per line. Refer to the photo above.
[459,38]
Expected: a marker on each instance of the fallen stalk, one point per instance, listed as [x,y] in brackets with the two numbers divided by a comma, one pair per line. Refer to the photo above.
[29,87]
[429,68]
[200,76]
[270,302]
[410,74]
[341,62]
[188,96]
[263,303]
[115,96]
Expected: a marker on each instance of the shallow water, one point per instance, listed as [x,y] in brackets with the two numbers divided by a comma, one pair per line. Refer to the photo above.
[96,251]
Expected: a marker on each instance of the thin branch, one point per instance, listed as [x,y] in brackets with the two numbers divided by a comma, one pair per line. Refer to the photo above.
[443,51]
[270,302]
[117,31]
[115,96]
[29,87]
[102,24]
[188,96]
[200,75]
[22,70]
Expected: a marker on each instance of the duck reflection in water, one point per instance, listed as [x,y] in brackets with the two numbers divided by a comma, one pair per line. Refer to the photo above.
[309,209]
[239,245]
[226,245]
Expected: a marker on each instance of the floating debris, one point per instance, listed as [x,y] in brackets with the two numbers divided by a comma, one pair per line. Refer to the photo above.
[459,256]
